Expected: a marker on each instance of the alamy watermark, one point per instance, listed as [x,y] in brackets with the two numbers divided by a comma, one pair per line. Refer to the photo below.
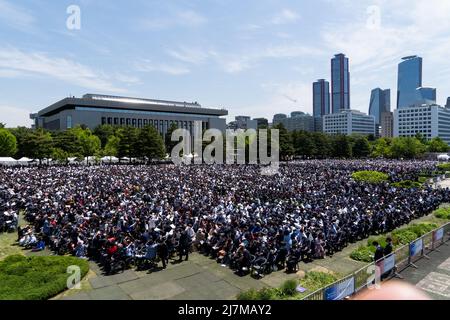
[73,21]
[74,278]
[238,146]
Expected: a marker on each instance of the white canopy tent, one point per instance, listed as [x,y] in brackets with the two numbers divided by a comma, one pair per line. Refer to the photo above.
[109,159]
[8,161]
[24,161]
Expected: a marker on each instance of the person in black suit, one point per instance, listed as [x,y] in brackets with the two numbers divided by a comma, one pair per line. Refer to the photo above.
[379,254]
[388,249]
[163,252]
[184,245]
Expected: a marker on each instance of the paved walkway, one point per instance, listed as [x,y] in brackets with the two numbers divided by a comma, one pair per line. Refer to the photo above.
[197,279]
[433,275]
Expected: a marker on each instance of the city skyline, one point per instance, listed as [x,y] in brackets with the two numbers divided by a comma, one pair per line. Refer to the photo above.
[263,63]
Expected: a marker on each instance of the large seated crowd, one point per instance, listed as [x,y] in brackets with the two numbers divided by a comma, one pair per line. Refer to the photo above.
[140,215]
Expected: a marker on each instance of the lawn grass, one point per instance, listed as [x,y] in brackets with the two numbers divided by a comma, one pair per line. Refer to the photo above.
[36,277]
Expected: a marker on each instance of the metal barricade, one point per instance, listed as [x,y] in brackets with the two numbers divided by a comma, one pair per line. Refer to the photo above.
[403,259]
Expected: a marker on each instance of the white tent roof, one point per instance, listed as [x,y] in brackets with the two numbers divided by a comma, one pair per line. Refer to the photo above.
[110,158]
[7,159]
[25,159]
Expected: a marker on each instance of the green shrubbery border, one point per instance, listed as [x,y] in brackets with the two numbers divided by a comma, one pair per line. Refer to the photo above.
[36,277]
[442,213]
[312,281]
[399,237]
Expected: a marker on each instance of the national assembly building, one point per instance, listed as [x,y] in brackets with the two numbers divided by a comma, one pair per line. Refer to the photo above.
[93,110]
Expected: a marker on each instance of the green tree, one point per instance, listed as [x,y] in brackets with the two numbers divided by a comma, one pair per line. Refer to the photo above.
[322,144]
[59,155]
[112,146]
[2,125]
[8,143]
[21,134]
[128,142]
[104,132]
[303,143]
[360,147]
[341,146]
[151,144]
[168,138]
[437,145]
[407,147]
[285,139]
[381,148]
[38,144]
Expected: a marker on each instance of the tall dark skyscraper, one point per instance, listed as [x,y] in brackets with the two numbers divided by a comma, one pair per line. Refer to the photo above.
[380,101]
[409,79]
[321,102]
[321,98]
[448,103]
[340,83]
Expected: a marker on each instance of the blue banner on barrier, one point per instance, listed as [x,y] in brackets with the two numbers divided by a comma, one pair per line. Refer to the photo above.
[341,290]
[389,263]
[415,247]
[438,234]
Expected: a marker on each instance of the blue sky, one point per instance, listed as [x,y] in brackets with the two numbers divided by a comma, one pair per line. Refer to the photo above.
[252,57]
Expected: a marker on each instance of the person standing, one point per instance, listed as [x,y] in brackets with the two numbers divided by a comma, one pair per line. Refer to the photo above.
[163,252]
[388,249]
[379,254]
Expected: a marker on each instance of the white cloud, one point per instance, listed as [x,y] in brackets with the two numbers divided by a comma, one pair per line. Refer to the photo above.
[190,55]
[15,16]
[285,16]
[13,116]
[188,18]
[15,61]
[149,66]
[375,53]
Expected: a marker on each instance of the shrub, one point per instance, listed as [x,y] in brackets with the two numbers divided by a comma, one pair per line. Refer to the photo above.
[251,294]
[407,184]
[403,236]
[36,278]
[267,294]
[442,213]
[312,281]
[363,253]
[370,176]
[288,288]
[422,228]
[444,166]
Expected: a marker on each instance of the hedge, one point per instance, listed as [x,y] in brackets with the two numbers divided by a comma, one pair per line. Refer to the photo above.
[312,281]
[37,277]
[399,237]
[408,184]
[370,176]
[444,166]
[443,213]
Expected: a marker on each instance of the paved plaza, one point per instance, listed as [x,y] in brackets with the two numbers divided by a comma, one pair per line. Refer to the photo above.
[197,279]
[432,275]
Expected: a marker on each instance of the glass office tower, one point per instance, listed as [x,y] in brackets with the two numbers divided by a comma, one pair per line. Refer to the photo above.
[409,79]
[340,83]
[321,102]
[380,101]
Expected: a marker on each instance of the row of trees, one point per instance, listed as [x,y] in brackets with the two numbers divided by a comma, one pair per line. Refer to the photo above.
[107,140]
[81,142]
[320,145]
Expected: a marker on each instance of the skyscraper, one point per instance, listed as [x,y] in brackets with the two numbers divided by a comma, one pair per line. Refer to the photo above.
[409,79]
[340,83]
[321,102]
[448,103]
[380,101]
